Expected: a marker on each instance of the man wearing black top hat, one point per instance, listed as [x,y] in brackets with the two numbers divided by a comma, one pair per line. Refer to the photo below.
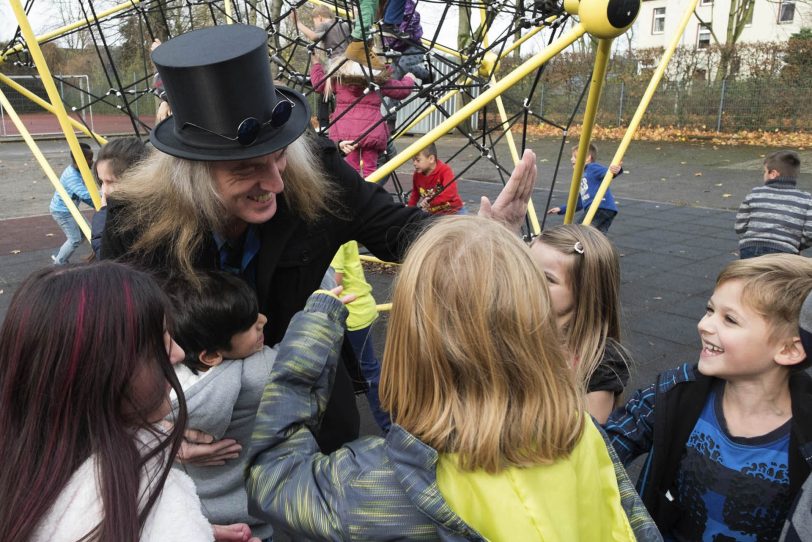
[239,185]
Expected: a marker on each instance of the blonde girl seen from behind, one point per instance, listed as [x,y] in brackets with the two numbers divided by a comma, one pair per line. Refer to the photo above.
[472,363]
[489,440]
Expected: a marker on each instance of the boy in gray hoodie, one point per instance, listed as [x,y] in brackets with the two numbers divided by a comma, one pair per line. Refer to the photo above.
[219,326]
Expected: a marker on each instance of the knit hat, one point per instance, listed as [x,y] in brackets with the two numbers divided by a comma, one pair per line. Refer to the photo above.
[805,325]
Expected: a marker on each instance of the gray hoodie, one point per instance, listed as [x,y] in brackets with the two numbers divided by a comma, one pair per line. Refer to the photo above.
[223,402]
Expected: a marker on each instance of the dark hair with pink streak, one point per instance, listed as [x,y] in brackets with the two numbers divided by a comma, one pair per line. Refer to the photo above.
[73,340]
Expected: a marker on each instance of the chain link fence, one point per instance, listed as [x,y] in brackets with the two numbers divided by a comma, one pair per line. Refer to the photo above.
[725,106]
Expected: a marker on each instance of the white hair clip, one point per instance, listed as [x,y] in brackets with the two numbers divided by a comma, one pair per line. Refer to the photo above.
[578,247]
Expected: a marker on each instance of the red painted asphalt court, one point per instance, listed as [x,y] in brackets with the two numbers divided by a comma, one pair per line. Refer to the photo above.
[46,123]
[31,233]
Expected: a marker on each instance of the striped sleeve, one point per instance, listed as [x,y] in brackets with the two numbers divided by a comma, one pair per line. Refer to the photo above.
[806,240]
[743,216]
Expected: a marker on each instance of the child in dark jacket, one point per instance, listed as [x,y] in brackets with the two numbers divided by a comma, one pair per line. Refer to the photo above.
[728,439]
[590,183]
[434,188]
[489,439]
[114,159]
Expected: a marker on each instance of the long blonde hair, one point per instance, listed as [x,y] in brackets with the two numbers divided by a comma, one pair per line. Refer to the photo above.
[172,204]
[473,363]
[594,279]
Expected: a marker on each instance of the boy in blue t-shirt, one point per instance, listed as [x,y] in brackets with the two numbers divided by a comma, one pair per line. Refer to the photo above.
[729,438]
[590,182]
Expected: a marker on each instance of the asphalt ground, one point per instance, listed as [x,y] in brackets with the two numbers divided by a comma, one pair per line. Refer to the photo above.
[674,230]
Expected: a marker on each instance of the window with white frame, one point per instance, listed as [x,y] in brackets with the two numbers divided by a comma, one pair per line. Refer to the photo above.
[703,37]
[658,21]
[786,11]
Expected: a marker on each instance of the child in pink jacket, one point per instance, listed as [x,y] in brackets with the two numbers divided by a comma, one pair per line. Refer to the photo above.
[358,114]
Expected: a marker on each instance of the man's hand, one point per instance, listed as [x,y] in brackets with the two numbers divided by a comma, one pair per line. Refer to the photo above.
[201,450]
[554,211]
[510,206]
[615,168]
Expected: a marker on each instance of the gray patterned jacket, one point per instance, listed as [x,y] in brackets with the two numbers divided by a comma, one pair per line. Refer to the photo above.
[371,488]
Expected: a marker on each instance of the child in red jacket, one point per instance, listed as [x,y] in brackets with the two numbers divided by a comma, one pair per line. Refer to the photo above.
[434,189]
[357,117]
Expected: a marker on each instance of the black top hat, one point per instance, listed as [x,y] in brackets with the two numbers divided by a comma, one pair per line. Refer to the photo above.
[224,103]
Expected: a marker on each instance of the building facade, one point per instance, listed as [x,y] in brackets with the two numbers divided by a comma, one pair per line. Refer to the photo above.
[772,20]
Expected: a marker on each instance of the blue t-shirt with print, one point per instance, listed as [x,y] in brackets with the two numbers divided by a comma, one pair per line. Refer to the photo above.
[590,182]
[732,488]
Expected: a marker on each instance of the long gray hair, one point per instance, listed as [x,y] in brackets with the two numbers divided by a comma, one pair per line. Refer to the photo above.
[172,204]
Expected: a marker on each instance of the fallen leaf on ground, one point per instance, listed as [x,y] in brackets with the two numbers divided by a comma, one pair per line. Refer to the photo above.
[726,195]
[718,184]
[698,174]
[16,251]
[49,235]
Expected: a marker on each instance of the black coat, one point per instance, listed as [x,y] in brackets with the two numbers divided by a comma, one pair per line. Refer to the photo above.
[294,256]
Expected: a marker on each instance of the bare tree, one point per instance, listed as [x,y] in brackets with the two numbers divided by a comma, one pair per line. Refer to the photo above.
[739,15]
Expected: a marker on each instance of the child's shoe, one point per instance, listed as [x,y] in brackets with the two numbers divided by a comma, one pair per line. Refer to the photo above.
[392,31]
[357,51]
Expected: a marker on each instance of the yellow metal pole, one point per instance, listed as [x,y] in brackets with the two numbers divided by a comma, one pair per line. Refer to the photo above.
[592,101]
[477,103]
[384,307]
[431,109]
[46,167]
[641,109]
[45,105]
[84,22]
[514,152]
[56,100]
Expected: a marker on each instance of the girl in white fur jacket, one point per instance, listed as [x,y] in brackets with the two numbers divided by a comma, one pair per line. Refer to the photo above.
[85,369]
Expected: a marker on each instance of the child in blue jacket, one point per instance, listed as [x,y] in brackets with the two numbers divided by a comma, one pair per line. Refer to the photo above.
[590,182]
[74,185]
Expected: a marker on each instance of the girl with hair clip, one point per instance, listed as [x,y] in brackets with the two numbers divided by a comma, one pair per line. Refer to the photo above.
[358,109]
[583,272]
[489,437]
[80,390]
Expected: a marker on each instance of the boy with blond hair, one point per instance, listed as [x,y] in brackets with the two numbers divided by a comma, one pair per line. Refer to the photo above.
[776,217]
[729,438]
